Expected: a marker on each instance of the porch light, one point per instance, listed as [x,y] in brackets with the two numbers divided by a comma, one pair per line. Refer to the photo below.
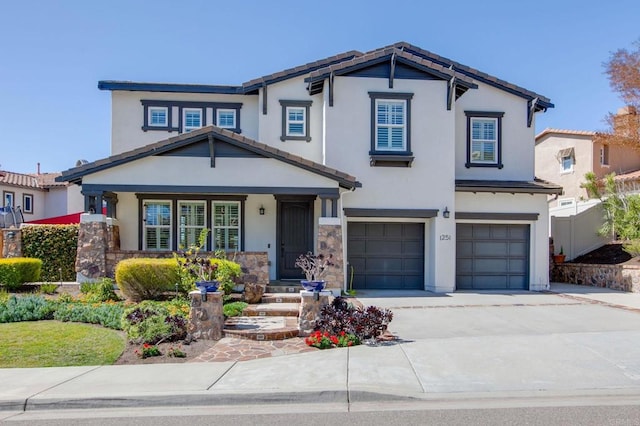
[446,213]
[261,210]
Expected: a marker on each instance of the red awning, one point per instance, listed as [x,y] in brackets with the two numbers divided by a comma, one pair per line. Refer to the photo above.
[67,219]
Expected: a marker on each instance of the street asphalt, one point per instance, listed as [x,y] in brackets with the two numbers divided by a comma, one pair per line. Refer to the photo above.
[573,341]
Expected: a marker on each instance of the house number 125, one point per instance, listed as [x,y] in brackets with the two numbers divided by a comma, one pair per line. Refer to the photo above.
[445,237]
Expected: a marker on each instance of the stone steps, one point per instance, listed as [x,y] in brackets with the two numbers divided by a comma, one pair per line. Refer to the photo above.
[284,287]
[272,309]
[262,328]
[281,298]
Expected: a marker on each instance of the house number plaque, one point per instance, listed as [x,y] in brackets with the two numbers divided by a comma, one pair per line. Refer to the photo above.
[445,237]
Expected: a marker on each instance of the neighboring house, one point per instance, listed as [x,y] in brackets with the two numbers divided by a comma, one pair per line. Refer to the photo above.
[38,196]
[414,170]
[565,156]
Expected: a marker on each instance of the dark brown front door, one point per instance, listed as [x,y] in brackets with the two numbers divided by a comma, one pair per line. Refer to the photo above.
[295,235]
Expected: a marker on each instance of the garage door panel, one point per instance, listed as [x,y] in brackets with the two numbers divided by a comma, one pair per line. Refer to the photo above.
[386,255]
[488,249]
[492,256]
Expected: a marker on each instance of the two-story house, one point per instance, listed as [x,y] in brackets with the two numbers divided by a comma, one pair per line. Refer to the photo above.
[565,156]
[415,171]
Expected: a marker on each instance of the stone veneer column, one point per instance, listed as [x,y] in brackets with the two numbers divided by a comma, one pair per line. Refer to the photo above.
[330,242]
[206,318]
[12,242]
[310,309]
[113,234]
[91,261]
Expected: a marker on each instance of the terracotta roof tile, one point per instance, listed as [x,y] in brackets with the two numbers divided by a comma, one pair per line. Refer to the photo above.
[19,180]
[550,131]
[624,177]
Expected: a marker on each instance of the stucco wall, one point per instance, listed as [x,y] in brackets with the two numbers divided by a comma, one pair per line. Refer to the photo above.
[39,205]
[127,116]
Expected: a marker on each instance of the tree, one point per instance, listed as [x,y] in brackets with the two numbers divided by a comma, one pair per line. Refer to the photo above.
[623,71]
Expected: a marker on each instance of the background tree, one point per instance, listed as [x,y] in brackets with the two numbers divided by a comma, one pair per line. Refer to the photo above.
[623,71]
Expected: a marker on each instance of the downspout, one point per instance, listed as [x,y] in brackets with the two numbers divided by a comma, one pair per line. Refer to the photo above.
[343,222]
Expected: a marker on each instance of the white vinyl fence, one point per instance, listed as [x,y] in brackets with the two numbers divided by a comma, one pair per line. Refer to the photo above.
[577,234]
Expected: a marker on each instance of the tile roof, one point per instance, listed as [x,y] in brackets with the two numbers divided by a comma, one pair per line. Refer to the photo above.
[19,179]
[75,174]
[537,186]
[48,180]
[625,177]
[387,52]
[550,131]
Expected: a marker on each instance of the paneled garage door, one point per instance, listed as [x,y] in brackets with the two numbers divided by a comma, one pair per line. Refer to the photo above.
[386,255]
[492,257]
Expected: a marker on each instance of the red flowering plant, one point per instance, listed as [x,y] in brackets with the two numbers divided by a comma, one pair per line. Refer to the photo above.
[148,351]
[324,340]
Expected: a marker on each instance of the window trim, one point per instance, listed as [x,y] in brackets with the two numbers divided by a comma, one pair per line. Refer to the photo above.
[166,116]
[183,116]
[286,104]
[174,199]
[11,195]
[143,241]
[390,158]
[239,227]
[604,156]
[484,115]
[181,105]
[217,112]
[179,225]
[25,197]
[570,169]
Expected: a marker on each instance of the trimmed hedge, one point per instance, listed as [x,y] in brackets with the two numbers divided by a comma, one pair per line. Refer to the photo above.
[15,271]
[144,279]
[56,246]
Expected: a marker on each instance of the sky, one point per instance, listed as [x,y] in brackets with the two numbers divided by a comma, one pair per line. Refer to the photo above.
[53,53]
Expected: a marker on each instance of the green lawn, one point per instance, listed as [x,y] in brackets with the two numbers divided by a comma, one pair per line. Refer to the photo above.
[57,344]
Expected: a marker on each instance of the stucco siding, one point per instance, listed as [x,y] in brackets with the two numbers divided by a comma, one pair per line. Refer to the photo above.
[517,138]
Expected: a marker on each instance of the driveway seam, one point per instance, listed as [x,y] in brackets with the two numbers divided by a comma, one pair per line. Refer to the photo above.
[222,375]
[27,399]
[424,390]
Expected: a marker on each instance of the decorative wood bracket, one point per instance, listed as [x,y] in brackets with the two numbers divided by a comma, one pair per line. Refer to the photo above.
[264,98]
[212,153]
[531,110]
[331,76]
[392,71]
[451,90]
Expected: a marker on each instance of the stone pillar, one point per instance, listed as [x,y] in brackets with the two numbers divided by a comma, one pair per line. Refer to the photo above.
[310,305]
[206,318]
[113,234]
[330,242]
[91,259]
[12,242]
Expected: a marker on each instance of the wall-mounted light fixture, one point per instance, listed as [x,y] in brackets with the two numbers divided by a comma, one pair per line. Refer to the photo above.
[446,213]
[261,210]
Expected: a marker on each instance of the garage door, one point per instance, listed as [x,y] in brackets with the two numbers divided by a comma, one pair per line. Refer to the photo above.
[492,257]
[386,255]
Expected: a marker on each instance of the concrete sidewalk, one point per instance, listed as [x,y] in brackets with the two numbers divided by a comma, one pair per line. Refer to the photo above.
[481,345]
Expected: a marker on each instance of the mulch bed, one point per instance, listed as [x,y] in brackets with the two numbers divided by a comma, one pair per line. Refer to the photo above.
[609,254]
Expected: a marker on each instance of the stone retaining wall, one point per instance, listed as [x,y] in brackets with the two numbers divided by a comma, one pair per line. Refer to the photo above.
[616,277]
[255,265]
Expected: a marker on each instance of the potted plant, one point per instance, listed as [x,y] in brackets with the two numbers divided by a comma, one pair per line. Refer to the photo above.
[199,268]
[314,267]
[560,257]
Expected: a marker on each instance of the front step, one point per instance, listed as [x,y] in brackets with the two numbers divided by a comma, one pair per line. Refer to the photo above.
[261,328]
[272,310]
[284,288]
[281,298]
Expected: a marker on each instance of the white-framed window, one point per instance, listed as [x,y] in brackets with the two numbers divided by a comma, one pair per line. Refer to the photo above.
[158,116]
[567,163]
[191,119]
[296,121]
[226,225]
[27,203]
[484,140]
[191,222]
[226,118]
[8,198]
[604,155]
[391,125]
[157,225]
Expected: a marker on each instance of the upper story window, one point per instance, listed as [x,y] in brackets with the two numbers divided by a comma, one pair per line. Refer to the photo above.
[484,139]
[192,119]
[566,158]
[8,198]
[185,116]
[604,155]
[226,118]
[567,163]
[391,129]
[27,203]
[295,120]
[158,117]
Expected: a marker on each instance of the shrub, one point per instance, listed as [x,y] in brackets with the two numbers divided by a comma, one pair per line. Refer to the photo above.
[16,271]
[26,308]
[48,288]
[226,273]
[99,291]
[106,314]
[364,323]
[144,279]
[152,322]
[234,309]
[56,246]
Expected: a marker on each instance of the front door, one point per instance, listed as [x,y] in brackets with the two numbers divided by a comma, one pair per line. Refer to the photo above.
[295,235]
